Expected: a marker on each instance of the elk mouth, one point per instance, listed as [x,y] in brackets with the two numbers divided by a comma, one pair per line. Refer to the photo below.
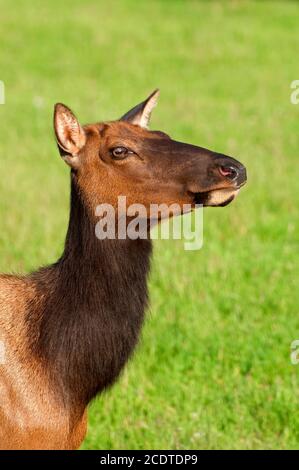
[216,197]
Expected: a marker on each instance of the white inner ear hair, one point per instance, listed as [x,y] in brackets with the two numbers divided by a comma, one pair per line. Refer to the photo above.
[146,114]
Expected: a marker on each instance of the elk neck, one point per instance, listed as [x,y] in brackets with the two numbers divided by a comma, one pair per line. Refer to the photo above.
[89,307]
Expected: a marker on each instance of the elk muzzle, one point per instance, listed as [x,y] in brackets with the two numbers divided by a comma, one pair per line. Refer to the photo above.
[229,176]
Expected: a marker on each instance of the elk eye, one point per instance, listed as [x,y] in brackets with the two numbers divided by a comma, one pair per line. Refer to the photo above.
[120,152]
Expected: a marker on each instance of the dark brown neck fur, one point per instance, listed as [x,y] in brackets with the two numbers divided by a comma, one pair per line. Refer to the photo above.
[87,318]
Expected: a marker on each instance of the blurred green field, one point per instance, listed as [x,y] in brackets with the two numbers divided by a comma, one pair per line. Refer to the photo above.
[213,366]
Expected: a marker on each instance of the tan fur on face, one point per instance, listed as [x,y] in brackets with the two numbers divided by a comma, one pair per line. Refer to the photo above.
[220,196]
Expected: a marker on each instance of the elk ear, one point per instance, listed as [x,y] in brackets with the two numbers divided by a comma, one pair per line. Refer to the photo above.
[141,113]
[69,134]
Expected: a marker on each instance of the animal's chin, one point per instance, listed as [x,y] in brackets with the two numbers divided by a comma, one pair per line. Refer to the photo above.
[216,197]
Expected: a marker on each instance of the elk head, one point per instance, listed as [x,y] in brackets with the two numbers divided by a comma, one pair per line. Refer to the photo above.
[124,157]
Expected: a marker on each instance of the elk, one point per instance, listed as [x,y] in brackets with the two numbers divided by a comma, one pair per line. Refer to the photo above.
[68,329]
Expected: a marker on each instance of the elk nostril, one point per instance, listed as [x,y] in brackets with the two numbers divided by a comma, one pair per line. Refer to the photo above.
[229,172]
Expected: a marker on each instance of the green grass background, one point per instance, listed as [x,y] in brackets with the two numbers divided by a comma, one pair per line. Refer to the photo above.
[213,366]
